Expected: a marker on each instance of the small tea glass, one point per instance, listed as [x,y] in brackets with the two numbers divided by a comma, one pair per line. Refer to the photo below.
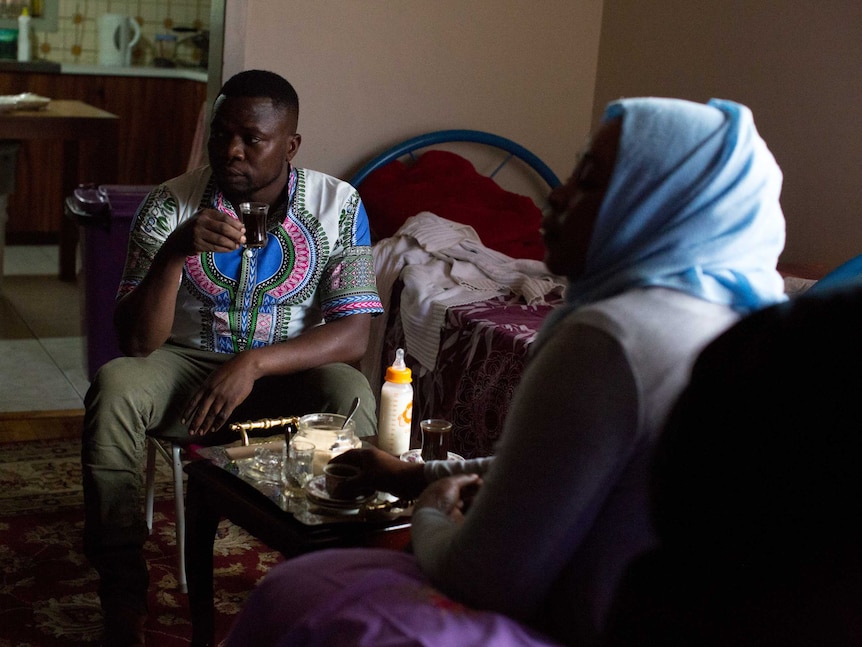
[268,463]
[298,467]
[254,218]
[436,439]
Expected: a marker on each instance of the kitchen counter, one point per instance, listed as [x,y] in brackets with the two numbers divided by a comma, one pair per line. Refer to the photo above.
[48,67]
[189,73]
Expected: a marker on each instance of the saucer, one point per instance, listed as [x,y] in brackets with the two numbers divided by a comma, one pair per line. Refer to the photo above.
[415,456]
[316,493]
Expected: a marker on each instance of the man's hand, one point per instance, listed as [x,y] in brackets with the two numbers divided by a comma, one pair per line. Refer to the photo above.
[382,471]
[144,317]
[222,392]
[451,495]
[209,230]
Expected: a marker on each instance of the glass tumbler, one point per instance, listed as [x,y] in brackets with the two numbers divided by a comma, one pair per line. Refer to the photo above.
[298,467]
[269,464]
[254,218]
[436,439]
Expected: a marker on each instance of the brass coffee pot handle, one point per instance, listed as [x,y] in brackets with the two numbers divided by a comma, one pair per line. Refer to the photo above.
[266,423]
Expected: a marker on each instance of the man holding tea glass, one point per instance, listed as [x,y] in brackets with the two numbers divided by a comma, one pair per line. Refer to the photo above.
[219,326]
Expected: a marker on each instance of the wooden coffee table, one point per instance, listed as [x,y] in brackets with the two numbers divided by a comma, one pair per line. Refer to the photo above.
[214,493]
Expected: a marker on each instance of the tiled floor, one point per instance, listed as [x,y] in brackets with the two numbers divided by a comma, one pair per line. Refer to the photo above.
[41,348]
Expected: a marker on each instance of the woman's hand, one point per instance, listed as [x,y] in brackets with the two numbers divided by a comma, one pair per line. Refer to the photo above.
[382,471]
[451,495]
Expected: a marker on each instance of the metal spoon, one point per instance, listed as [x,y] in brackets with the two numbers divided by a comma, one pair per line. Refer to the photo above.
[353,408]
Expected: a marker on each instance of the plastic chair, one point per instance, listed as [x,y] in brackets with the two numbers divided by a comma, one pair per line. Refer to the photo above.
[172,453]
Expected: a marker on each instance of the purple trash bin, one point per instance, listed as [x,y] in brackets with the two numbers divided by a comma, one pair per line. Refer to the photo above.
[105,214]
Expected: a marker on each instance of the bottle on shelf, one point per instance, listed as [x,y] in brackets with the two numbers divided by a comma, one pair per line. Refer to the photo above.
[396,408]
[24,47]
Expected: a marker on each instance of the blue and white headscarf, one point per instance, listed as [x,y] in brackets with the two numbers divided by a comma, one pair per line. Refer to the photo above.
[692,204]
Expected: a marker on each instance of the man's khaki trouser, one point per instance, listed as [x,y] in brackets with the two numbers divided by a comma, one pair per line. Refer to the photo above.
[131,397]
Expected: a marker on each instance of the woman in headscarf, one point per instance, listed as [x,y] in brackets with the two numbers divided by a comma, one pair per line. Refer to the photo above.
[668,231]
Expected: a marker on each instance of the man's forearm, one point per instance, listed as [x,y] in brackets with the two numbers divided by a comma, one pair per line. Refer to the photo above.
[144,317]
[343,340]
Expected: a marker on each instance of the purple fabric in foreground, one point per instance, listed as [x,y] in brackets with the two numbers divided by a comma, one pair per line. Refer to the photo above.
[372,597]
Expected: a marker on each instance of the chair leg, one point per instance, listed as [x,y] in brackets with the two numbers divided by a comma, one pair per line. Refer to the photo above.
[180,509]
[151,481]
[175,459]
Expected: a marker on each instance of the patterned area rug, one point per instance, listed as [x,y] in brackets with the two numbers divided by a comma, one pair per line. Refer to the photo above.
[48,589]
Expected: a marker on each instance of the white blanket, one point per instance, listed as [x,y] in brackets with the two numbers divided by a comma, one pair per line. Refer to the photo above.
[442,264]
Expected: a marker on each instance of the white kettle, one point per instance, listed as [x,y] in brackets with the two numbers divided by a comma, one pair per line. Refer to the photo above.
[118,34]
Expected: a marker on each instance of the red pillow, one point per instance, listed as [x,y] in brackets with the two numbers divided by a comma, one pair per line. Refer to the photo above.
[448,185]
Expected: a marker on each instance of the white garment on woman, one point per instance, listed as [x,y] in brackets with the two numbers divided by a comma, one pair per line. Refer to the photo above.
[632,355]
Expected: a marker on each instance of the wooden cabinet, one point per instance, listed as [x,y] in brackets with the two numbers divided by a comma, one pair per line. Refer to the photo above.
[158,118]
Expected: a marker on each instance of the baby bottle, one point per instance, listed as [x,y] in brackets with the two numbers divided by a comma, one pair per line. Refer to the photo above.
[395,408]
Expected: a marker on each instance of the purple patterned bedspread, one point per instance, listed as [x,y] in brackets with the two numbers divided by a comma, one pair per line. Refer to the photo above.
[483,351]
